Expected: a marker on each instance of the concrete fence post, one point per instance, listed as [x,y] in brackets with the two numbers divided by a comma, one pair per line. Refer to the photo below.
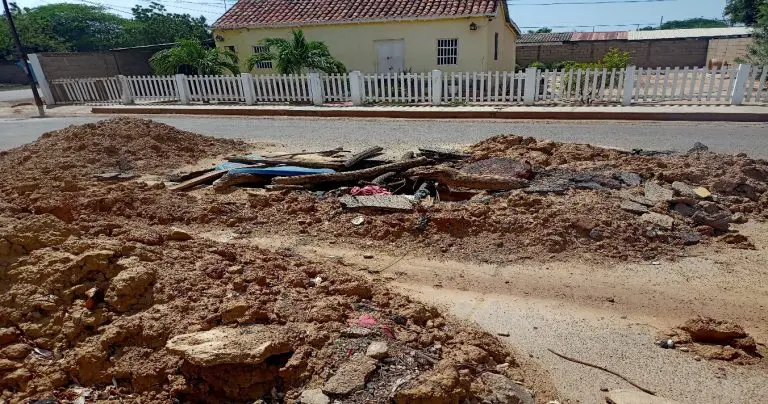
[737,92]
[529,93]
[316,89]
[42,81]
[181,87]
[246,80]
[356,87]
[125,90]
[437,87]
[629,85]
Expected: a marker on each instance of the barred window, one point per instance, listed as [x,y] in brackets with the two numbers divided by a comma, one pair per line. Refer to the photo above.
[262,65]
[447,51]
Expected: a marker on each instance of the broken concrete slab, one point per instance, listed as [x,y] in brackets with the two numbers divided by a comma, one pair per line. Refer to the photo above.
[682,189]
[313,396]
[659,220]
[351,376]
[684,209]
[385,202]
[690,238]
[718,221]
[638,199]
[702,193]
[633,207]
[628,178]
[250,345]
[356,332]
[656,193]
[625,396]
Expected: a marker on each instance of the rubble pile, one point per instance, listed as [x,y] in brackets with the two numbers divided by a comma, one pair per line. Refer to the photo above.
[108,294]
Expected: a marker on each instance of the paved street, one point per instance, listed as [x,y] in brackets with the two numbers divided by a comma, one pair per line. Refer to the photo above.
[398,135]
[15,95]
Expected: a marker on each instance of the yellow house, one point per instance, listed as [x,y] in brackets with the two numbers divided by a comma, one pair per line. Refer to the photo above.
[380,35]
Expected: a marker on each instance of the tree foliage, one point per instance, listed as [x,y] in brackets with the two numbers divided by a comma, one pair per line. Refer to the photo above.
[191,57]
[757,54]
[544,30]
[689,23]
[297,55]
[614,59]
[745,12]
[154,25]
[64,27]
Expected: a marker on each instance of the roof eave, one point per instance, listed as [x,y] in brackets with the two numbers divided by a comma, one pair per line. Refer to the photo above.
[349,22]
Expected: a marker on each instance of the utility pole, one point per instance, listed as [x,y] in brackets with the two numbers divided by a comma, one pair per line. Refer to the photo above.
[661,21]
[225,5]
[23,58]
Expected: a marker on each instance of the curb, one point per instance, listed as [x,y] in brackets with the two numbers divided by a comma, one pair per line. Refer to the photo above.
[456,114]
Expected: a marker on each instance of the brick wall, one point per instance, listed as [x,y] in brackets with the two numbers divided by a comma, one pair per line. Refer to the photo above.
[728,49]
[657,53]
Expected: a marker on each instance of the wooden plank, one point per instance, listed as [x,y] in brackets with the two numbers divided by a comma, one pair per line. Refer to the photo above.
[703,72]
[191,183]
[683,82]
[720,85]
[656,81]
[674,83]
[665,86]
[368,173]
[367,153]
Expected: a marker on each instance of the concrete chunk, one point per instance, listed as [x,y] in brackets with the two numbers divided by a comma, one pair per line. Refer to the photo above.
[250,345]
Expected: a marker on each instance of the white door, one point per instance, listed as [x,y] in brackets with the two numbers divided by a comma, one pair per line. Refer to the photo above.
[391,55]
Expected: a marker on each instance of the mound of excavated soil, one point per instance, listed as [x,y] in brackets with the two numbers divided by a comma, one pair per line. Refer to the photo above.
[717,340]
[102,299]
[134,310]
[116,145]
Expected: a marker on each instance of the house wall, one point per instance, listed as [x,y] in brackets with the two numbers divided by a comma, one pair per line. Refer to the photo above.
[353,44]
[728,49]
[653,53]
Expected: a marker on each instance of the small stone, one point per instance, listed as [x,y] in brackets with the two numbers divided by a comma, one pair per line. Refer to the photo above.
[314,396]
[235,269]
[502,367]
[358,220]
[597,234]
[697,358]
[351,376]
[684,349]
[738,217]
[377,350]
[656,193]
[684,209]
[603,388]
[368,256]
[702,193]
[657,219]
[705,230]
[177,234]
[633,207]
[356,332]
[610,300]
[638,199]
[690,238]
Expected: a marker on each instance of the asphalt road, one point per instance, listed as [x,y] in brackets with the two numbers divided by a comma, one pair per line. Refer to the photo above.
[398,135]
[16,95]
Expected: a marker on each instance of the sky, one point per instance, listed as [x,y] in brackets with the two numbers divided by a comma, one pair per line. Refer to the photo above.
[616,15]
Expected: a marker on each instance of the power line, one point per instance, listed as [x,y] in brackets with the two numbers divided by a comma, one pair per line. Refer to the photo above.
[113,8]
[591,2]
[590,26]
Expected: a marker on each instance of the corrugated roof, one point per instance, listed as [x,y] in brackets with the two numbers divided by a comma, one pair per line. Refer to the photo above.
[599,36]
[688,33]
[259,13]
[545,37]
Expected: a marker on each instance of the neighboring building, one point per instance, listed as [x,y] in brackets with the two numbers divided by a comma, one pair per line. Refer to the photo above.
[658,48]
[380,35]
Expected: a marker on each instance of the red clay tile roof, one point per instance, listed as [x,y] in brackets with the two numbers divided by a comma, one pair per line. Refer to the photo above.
[254,13]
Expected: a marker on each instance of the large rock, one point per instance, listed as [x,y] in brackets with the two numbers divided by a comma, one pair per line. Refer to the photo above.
[718,221]
[659,220]
[351,376]
[250,345]
[494,388]
[313,396]
[8,335]
[656,193]
[624,396]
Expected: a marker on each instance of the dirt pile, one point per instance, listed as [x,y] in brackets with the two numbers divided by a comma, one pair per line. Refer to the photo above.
[714,339]
[107,294]
[117,145]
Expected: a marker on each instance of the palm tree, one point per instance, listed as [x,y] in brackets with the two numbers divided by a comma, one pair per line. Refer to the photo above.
[191,57]
[296,55]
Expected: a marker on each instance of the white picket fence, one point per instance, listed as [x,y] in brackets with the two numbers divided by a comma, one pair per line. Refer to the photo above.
[725,85]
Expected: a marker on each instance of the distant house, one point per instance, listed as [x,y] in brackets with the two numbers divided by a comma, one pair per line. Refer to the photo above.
[658,48]
[381,35]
